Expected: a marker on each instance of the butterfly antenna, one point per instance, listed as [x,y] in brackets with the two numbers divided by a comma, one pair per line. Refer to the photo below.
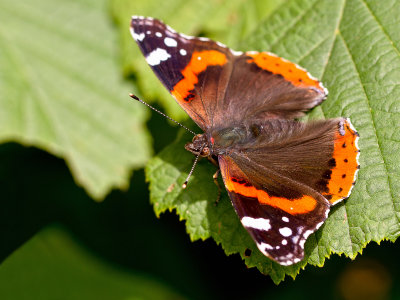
[184,185]
[156,110]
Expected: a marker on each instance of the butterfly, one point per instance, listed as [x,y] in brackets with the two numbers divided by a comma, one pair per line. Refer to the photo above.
[282,175]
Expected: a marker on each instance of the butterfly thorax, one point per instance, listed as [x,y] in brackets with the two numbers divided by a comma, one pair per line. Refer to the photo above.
[223,140]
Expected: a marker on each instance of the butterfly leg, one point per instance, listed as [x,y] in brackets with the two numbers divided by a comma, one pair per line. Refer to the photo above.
[215,178]
[214,161]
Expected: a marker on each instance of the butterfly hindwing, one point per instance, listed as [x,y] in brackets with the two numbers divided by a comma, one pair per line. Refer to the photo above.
[322,155]
[285,175]
[344,163]
[278,225]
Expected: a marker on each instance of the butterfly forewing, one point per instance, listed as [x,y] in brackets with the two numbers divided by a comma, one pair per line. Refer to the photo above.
[271,88]
[190,68]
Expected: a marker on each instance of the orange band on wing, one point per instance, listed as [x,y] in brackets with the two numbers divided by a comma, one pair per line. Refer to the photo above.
[345,154]
[301,205]
[290,71]
[199,62]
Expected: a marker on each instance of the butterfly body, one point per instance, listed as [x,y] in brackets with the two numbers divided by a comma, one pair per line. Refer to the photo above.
[281,175]
[221,141]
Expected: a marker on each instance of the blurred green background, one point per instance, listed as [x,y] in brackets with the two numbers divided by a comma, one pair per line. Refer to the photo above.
[58,243]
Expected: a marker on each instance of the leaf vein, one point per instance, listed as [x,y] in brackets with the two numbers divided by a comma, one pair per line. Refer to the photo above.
[381,26]
[296,21]
[373,126]
[331,49]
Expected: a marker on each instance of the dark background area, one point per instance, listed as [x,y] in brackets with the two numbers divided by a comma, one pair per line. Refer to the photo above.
[123,231]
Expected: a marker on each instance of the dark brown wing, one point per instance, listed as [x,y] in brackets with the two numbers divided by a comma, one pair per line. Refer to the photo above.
[263,85]
[284,177]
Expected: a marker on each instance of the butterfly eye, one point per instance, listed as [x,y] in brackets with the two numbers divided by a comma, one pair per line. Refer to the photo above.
[198,137]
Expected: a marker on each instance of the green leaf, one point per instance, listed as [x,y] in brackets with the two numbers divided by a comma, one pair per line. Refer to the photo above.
[53,266]
[61,90]
[225,21]
[353,46]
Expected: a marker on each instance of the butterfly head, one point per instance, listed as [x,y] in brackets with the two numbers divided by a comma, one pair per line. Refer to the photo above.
[199,146]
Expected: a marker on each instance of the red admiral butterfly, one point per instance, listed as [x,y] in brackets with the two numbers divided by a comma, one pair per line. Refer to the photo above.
[282,175]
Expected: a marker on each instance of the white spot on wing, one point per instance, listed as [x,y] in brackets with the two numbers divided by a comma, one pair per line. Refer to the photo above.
[183,52]
[170,42]
[266,246]
[284,260]
[319,225]
[157,56]
[326,213]
[285,219]
[138,17]
[158,34]
[285,231]
[295,239]
[351,125]
[188,37]
[221,45]
[170,29]
[236,53]
[307,233]
[259,223]
[204,39]
[136,36]
[342,130]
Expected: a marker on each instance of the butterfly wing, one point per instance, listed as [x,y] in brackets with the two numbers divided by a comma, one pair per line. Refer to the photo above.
[272,87]
[190,68]
[278,225]
[283,184]
[215,84]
